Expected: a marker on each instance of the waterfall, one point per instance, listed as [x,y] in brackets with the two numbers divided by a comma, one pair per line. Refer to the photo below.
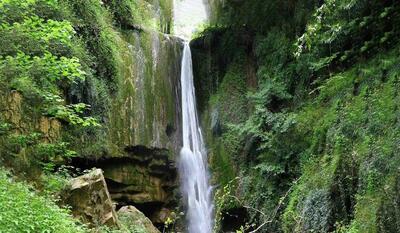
[193,157]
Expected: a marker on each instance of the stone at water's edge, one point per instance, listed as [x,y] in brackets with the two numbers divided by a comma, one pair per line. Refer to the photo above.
[132,217]
[90,201]
[144,178]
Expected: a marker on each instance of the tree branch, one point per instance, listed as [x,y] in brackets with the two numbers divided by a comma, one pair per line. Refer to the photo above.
[276,210]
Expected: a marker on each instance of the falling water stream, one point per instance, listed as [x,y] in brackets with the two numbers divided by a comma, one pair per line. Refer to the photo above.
[193,169]
[193,157]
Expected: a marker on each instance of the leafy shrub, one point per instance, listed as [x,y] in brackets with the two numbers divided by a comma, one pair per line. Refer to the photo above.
[94,23]
[39,61]
[17,10]
[342,31]
[41,78]
[34,35]
[22,210]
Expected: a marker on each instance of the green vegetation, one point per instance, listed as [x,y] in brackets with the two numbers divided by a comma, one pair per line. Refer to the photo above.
[41,60]
[317,140]
[62,66]
[299,101]
[352,148]
[23,210]
[139,14]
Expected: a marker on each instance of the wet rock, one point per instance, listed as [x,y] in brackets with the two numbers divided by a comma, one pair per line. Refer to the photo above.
[146,178]
[162,215]
[135,220]
[146,111]
[215,123]
[90,200]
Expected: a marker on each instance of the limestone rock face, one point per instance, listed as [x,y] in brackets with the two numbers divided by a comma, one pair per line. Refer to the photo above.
[135,220]
[16,111]
[90,201]
[146,109]
[142,125]
[145,178]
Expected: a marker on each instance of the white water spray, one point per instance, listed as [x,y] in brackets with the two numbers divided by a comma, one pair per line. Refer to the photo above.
[188,16]
[193,157]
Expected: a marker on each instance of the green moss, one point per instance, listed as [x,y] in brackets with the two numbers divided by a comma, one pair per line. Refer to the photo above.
[221,164]
[95,25]
[221,160]
[354,143]
[152,15]
[232,102]
[146,97]
[227,106]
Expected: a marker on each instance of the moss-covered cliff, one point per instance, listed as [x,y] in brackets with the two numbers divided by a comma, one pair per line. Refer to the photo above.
[92,83]
[145,110]
[298,100]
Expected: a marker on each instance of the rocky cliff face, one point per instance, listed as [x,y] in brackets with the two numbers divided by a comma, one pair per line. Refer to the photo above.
[134,91]
[15,110]
[145,178]
[143,126]
[146,109]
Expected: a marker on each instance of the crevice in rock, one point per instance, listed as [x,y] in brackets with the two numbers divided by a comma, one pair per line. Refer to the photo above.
[170,130]
[144,177]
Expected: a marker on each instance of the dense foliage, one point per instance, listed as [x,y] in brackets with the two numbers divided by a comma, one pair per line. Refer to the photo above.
[299,99]
[60,62]
[22,210]
[313,144]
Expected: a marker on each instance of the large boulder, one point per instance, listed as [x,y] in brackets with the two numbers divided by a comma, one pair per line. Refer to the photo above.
[90,200]
[134,220]
[145,178]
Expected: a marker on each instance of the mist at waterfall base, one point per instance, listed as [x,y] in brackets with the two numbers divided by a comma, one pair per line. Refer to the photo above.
[192,166]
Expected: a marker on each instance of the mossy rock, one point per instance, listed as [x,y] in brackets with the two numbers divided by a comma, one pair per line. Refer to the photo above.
[146,108]
[135,221]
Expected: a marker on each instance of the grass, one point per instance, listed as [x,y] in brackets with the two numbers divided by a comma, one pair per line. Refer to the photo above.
[23,210]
